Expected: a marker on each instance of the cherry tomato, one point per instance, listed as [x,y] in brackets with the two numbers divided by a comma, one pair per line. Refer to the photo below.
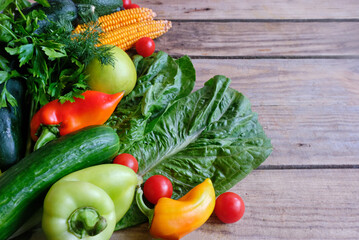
[128,160]
[229,207]
[156,187]
[145,46]
[132,5]
[126,3]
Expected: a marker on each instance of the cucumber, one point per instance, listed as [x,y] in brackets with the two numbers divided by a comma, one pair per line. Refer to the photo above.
[13,125]
[24,185]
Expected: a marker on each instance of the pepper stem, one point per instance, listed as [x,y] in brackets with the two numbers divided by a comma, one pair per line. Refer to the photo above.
[142,205]
[86,221]
[48,133]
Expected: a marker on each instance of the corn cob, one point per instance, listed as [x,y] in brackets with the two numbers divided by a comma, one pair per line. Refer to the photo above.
[126,37]
[121,18]
[124,28]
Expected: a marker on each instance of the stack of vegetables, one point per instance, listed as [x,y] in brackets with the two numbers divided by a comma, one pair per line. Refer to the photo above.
[87,119]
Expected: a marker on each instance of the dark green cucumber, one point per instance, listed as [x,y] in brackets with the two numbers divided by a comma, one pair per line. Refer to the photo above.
[102,7]
[59,10]
[23,186]
[13,125]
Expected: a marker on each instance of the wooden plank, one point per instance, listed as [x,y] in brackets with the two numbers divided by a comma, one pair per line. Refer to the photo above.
[293,204]
[249,9]
[240,39]
[308,107]
[282,204]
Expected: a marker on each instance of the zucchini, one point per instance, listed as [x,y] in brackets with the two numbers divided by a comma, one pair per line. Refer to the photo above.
[24,185]
[13,125]
[102,7]
[59,10]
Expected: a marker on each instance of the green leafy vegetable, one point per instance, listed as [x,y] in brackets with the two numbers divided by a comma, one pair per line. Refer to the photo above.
[161,80]
[51,61]
[10,5]
[209,133]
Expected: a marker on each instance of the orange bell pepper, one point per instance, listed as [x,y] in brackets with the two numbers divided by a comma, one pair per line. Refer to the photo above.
[57,118]
[172,219]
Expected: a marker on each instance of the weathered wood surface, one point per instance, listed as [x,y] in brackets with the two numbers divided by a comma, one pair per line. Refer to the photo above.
[290,204]
[283,204]
[308,107]
[241,39]
[254,9]
[298,63]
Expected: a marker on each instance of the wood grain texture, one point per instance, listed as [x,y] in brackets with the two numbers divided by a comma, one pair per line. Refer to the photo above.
[248,9]
[291,204]
[282,204]
[308,107]
[254,9]
[233,39]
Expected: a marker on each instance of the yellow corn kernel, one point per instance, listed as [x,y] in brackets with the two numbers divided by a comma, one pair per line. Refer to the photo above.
[121,18]
[125,37]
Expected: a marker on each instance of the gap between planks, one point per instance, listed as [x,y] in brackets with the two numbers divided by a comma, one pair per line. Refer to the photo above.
[307,167]
[249,9]
[313,20]
[270,57]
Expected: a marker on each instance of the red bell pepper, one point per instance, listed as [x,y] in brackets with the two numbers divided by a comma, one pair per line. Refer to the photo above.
[57,118]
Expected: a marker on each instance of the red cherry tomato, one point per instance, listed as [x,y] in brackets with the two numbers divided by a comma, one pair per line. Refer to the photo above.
[229,207]
[126,3]
[132,5]
[156,187]
[128,160]
[145,46]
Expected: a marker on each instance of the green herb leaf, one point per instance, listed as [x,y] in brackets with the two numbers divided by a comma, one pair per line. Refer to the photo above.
[26,52]
[4,63]
[3,76]
[6,33]
[13,51]
[22,4]
[71,96]
[4,4]
[10,98]
[6,97]
[39,66]
[54,53]
[44,3]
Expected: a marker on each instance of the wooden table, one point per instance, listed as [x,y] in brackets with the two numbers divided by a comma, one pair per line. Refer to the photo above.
[298,63]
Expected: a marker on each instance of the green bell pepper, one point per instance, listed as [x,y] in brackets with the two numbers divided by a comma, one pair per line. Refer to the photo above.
[88,203]
[78,210]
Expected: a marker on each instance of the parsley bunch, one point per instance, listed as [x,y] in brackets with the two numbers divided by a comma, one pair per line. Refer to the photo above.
[52,62]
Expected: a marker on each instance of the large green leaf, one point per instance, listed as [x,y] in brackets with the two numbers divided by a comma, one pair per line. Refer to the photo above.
[161,80]
[211,133]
